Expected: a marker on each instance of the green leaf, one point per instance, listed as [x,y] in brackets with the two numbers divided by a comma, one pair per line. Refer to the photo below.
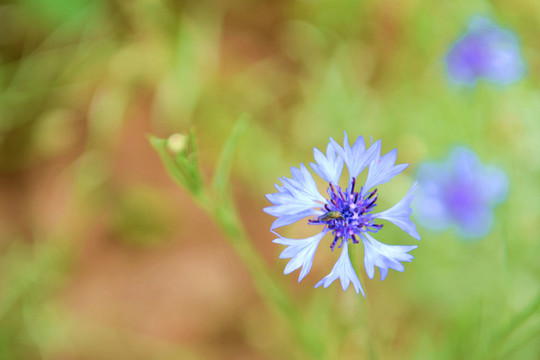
[193,156]
[160,145]
[182,167]
[223,168]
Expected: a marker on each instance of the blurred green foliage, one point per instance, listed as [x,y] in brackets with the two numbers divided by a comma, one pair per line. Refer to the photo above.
[82,83]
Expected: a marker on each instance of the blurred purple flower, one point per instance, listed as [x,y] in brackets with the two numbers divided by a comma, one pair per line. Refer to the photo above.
[485,52]
[347,213]
[459,191]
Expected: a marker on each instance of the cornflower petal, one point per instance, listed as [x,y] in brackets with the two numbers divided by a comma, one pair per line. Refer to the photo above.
[295,199]
[382,169]
[430,207]
[400,213]
[303,184]
[356,157]
[384,256]
[343,270]
[492,181]
[328,167]
[475,226]
[300,251]
[291,219]
[495,184]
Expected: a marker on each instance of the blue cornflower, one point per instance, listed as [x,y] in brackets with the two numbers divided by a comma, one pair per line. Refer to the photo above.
[459,191]
[347,213]
[485,52]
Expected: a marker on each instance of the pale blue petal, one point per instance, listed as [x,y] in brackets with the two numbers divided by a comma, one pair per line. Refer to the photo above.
[300,251]
[343,270]
[382,169]
[493,185]
[429,204]
[431,212]
[356,157]
[463,163]
[400,213]
[305,183]
[328,167]
[290,219]
[297,198]
[377,254]
[476,225]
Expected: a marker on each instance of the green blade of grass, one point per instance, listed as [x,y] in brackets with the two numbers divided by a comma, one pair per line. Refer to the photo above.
[223,168]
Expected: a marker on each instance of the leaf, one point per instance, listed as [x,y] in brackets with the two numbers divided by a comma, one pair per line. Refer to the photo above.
[182,167]
[160,145]
[193,156]
[223,168]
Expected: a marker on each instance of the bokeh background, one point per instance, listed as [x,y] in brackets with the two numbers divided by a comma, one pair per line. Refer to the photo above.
[102,256]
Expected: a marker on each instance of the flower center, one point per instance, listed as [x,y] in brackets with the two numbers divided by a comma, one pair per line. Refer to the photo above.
[348,214]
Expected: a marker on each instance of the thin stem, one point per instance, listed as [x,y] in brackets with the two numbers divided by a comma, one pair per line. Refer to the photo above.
[520,345]
[226,217]
[519,319]
[499,339]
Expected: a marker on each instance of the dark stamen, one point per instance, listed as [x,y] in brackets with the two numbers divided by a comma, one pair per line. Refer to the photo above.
[341,194]
[333,245]
[371,202]
[371,195]
[332,187]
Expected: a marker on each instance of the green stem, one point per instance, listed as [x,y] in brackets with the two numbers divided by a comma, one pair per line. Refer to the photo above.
[520,345]
[519,319]
[364,305]
[499,339]
[227,219]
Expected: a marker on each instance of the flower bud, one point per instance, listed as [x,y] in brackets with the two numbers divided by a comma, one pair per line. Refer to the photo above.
[176,143]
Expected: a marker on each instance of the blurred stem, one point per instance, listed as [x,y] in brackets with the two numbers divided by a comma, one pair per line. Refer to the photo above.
[498,340]
[519,319]
[521,344]
[226,217]
[364,306]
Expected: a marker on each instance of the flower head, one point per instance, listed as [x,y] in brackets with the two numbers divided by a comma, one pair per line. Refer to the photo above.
[347,213]
[460,191]
[485,52]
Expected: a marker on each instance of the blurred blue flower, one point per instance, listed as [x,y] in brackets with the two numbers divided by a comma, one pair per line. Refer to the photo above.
[346,213]
[459,191]
[485,52]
